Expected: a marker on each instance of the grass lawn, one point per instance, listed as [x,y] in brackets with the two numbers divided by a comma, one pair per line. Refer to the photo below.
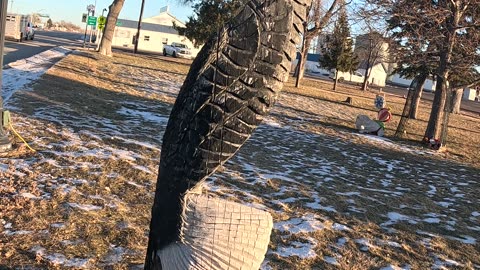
[340,200]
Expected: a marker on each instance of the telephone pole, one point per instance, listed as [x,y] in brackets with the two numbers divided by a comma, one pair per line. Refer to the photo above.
[137,36]
[5,143]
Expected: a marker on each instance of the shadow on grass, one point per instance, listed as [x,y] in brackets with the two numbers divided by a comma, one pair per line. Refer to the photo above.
[80,99]
[153,69]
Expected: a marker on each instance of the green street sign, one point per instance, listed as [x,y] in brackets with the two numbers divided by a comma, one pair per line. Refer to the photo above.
[92,20]
[118,23]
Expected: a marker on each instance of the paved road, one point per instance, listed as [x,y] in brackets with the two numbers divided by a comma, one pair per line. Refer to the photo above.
[467,105]
[44,40]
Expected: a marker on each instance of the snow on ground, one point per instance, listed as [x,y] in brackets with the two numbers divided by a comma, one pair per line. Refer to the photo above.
[19,74]
[326,175]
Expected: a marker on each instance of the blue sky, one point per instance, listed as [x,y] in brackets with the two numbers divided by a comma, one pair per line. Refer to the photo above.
[72,10]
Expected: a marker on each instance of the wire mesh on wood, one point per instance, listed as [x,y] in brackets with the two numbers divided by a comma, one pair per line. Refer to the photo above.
[218,234]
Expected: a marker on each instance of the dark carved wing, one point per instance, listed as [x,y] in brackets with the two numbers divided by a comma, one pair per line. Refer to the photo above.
[232,84]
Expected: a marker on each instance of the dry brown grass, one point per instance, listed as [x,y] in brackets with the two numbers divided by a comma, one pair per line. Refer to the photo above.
[464,129]
[87,88]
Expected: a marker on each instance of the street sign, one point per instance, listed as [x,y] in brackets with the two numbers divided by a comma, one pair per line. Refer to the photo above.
[84,17]
[102,20]
[90,8]
[119,23]
[92,20]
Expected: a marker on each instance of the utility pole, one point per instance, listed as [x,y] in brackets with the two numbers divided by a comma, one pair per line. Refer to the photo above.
[5,144]
[137,37]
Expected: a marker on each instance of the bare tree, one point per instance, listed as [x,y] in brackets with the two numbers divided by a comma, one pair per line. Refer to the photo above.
[371,49]
[449,28]
[318,19]
[113,12]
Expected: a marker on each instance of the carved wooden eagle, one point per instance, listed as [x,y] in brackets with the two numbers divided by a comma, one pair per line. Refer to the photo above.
[231,86]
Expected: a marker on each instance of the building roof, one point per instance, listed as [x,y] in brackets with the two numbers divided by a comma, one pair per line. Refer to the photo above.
[147,26]
[164,18]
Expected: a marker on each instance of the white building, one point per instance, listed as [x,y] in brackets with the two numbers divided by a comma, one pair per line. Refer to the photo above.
[396,79]
[154,33]
[471,94]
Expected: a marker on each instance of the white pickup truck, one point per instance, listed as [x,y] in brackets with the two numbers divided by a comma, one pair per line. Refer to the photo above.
[177,50]
[355,76]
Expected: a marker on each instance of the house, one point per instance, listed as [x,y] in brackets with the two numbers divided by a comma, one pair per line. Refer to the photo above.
[398,80]
[154,33]
[471,93]
[378,72]
[312,65]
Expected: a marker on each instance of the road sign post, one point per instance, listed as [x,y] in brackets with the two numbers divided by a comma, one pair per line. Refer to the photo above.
[90,9]
[5,143]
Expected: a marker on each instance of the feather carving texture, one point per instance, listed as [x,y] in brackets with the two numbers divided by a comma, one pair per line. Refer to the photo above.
[231,86]
[218,234]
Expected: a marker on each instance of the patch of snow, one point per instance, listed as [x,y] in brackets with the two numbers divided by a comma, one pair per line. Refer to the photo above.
[340,227]
[330,260]
[432,190]
[465,239]
[395,217]
[306,224]
[365,244]
[146,116]
[26,71]
[28,195]
[85,207]
[394,267]
[302,250]
[134,184]
[21,232]
[475,214]
[444,204]
[115,255]
[341,241]
[432,220]
[58,259]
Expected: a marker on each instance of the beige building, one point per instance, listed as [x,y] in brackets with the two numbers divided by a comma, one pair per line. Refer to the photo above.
[154,33]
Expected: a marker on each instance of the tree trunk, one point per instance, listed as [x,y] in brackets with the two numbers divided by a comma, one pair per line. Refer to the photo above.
[417,96]
[113,12]
[415,87]
[365,80]
[433,127]
[302,60]
[335,81]
[456,101]
[401,128]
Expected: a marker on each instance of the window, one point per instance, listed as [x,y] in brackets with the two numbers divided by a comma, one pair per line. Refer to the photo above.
[164,40]
[146,38]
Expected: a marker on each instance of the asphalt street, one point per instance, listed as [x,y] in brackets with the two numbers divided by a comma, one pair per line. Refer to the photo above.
[44,40]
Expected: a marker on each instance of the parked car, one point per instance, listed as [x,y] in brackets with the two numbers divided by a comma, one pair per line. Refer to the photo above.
[19,27]
[177,50]
[355,76]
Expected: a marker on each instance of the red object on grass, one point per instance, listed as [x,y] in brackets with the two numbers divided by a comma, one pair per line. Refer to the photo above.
[384,115]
